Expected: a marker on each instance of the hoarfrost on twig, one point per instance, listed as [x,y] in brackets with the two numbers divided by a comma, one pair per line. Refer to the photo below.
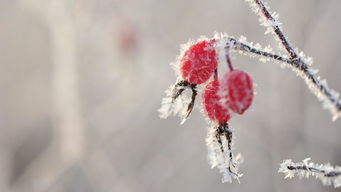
[326,173]
[299,62]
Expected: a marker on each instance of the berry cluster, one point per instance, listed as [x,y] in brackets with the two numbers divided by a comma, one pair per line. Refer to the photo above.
[221,98]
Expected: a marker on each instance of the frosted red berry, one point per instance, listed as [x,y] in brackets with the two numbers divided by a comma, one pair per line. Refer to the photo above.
[212,105]
[198,62]
[237,88]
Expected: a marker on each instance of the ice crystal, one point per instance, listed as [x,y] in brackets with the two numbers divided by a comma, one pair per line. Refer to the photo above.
[326,173]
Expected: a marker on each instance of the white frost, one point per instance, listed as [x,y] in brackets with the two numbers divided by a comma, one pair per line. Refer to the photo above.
[326,173]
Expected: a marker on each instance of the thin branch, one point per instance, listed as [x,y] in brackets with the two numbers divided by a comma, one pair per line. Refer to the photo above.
[326,173]
[276,28]
[329,97]
[307,72]
[247,48]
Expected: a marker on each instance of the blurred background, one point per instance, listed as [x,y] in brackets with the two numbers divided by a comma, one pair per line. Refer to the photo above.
[81,82]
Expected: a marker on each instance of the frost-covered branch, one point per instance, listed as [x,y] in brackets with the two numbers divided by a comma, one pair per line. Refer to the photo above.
[298,62]
[326,173]
[238,45]
[329,97]
[271,21]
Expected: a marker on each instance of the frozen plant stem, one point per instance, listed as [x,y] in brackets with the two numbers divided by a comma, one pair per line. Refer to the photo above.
[316,170]
[237,45]
[275,26]
[326,173]
[329,97]
[307,72]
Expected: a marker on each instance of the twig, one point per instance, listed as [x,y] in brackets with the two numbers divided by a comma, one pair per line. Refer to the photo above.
[326,173]
[329,97]
[247,48]
[277,29]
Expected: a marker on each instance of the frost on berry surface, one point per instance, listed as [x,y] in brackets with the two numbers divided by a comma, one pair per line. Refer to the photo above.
[328,174]
[220,155]
[198,62]
[211,102]
[237,88]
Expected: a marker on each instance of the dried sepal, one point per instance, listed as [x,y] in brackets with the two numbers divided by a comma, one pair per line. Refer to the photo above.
[220,145]
[178,103]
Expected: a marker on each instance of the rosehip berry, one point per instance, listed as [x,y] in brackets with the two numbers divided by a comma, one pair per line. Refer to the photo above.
[212,106]
[198,62]
[237,88]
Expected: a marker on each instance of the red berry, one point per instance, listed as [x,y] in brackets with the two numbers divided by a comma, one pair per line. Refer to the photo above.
[212,105]
[198,62]
[237,88]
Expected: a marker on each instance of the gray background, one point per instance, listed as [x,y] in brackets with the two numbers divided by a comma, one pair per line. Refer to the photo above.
[78,104]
